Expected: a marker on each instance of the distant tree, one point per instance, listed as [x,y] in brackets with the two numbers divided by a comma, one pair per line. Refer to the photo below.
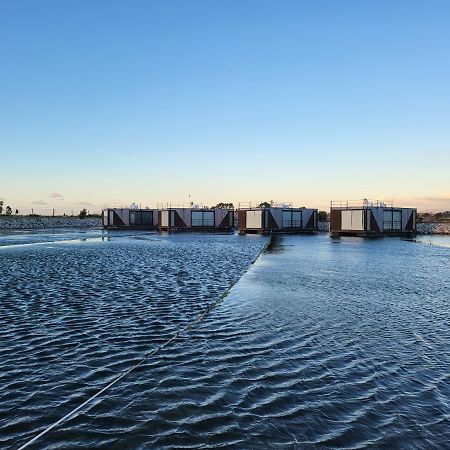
[83,214]
[264,205]
[322,216]
[8,210]
[17,211]
[223,206]
[1,206]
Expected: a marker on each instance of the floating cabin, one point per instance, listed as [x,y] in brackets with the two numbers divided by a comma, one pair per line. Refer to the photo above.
[277,219]
[130,218]
[371,219]
[195,219]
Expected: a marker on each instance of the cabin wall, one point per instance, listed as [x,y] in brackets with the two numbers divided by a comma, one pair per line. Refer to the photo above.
[223,218]
[352,219]
[254,219]
[191,218]
[277,216]
[335,220]
[120,217]
[378,216]
[278,219]
[373,220]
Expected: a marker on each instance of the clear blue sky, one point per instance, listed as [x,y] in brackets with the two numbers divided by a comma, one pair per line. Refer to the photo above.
[121,101]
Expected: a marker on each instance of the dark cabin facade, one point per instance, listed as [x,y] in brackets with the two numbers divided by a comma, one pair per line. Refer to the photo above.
[195,219]
[130,218]
[277,220]
[371,220]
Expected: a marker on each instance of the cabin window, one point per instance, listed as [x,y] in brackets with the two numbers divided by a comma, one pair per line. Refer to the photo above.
[253,219]
[352,219]
[141,218]
[202,218]
[392,219]
[291,219]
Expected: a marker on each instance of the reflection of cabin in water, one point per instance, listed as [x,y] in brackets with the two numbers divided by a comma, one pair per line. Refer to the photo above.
[277,219]
[195,219]
[371,219]
[130,218]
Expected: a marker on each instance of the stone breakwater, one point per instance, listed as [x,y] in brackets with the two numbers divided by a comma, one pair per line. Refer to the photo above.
[422,228]
[323,226]
[26,223]
[433,228]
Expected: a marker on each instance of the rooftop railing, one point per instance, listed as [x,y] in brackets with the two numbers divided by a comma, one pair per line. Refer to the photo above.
[360,203]
[191,205]
[125,206]
[271,204]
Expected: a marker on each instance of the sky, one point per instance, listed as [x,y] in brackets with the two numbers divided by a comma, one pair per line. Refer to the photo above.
[152,102]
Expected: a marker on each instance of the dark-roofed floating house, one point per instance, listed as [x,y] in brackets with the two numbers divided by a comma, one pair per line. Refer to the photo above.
[195,219]
[277,219]
[130,218]
[371,219]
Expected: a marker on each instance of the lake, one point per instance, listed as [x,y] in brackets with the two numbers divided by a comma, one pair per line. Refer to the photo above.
[320,343]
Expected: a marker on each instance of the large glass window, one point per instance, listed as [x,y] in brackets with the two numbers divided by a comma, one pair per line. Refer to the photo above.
[291,219]
[141,218]
[392,219]
[253,219]
[202,218]
[352,219]
[296,219]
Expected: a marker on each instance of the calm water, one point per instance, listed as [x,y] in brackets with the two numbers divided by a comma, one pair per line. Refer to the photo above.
[320,344]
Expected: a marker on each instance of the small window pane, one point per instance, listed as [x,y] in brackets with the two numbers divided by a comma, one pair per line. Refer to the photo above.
[287,219]
[387,219]
[208,218]
[296,219]
[147,218]
[197,219]
[397,220]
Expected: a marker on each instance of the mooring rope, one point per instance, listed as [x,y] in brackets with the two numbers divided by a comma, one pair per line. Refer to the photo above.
[189,326]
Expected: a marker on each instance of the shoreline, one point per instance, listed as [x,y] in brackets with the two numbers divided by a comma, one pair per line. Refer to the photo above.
[14,223]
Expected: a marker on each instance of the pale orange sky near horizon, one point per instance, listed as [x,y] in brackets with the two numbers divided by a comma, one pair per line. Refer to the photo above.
[62,204]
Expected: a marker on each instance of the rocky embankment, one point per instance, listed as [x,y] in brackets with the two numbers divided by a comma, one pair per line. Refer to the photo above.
[433,228]
[323,226]
[422,228]
[28,223]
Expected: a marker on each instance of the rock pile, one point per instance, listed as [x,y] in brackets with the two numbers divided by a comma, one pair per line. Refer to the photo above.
[433,228]
[27,223]
[422,228]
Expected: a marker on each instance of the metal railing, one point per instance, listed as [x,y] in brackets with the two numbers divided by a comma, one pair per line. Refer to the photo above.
[121,206]
[361,203]
[272,204]
[169,205]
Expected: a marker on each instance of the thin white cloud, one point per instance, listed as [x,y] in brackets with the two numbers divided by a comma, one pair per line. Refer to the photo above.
[86,204]
[56,196]
[39,202]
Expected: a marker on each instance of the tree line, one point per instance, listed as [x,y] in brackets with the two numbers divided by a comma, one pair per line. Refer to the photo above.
[8,209]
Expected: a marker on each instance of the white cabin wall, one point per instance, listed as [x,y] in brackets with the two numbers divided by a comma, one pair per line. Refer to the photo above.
[164,218]
[254,219]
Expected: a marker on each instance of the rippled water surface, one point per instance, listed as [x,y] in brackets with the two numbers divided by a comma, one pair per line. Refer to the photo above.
[321,344]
